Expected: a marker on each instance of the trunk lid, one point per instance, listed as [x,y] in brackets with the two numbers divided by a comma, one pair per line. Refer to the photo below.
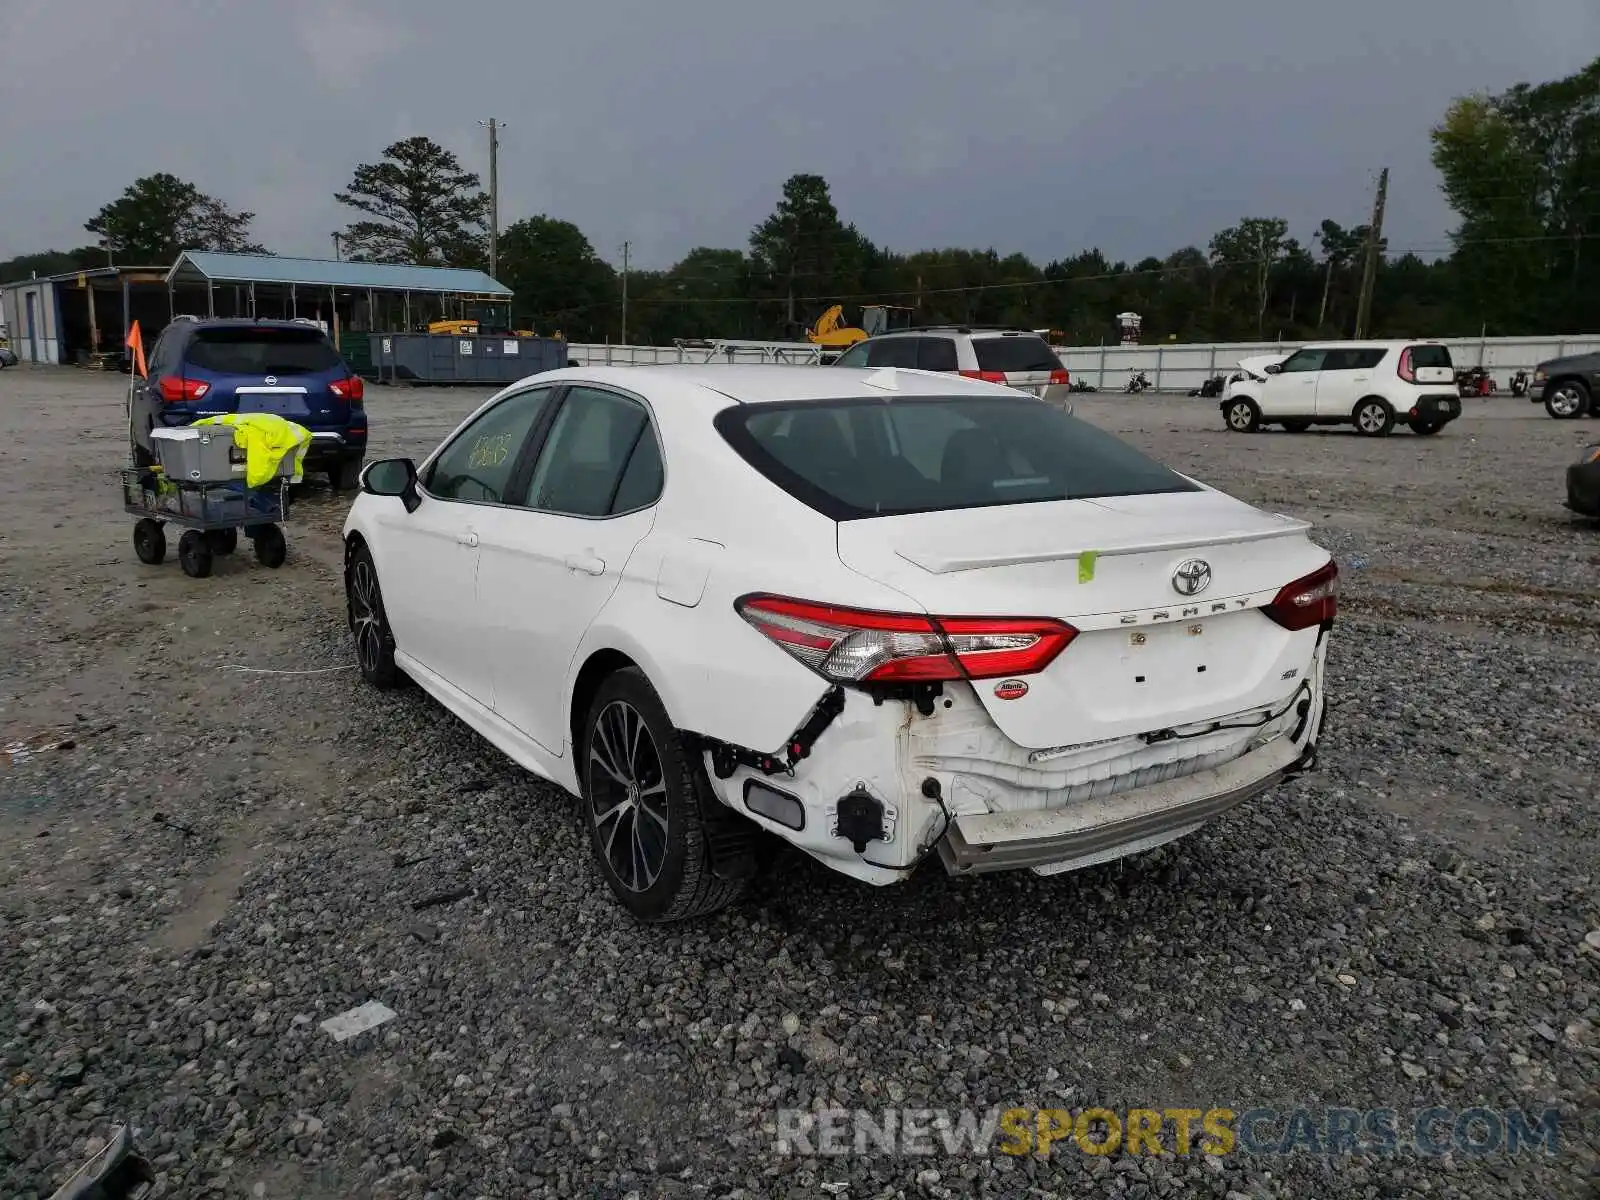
[1147,657]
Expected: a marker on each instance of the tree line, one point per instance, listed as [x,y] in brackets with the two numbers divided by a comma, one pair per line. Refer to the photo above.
[1520,169]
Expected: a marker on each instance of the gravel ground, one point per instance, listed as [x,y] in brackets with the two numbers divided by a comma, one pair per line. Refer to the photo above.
[223,859]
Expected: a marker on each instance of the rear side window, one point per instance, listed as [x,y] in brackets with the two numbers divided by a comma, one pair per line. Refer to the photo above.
[936,354]
[1431,356]
[850,459]
[587,467]
[262,351]
[893,352]
[1353,360]
[1021,353]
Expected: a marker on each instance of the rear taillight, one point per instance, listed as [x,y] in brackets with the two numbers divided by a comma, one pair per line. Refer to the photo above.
[1405,370]
[986,376]
[352,389]
[176,390]
[850,645]
[1060,377]
[1308,601]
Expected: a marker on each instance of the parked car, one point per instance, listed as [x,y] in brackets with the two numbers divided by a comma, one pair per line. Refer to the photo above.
[203,368]
[1371,385]
[880,614]
[1583,483]
[1567,386]
[1017,358]
[8,357]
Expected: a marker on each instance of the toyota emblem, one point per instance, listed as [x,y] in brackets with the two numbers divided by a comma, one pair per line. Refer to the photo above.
[1192,577]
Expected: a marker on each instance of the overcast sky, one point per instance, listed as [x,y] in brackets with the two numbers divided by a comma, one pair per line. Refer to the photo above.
[1138,126]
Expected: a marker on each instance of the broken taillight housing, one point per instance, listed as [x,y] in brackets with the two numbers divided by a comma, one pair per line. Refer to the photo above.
[1309,600]
[851,645]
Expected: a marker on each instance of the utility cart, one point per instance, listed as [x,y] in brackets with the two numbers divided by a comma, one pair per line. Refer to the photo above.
[210,515]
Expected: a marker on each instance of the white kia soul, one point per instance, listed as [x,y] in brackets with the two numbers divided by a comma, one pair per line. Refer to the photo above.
[1371,385]
[886,615]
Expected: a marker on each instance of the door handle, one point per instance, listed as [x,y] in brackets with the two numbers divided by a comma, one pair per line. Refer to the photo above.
[467,539]
[587,563]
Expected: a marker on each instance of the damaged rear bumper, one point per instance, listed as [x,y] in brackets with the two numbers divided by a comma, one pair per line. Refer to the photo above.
[1129,822]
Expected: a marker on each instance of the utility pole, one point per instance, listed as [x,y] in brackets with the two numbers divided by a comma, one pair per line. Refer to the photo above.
[494,127]
[336,253]
[1369,273]
[625,248]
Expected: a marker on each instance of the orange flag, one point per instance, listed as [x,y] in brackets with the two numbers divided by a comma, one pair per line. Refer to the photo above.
[136,344]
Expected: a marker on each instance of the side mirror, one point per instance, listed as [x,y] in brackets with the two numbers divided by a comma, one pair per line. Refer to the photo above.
[392,477]
[1273,368]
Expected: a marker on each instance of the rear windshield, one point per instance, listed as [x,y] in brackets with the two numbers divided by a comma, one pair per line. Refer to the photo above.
[878,457]
[1014,354]
[1431,356]
[262,351]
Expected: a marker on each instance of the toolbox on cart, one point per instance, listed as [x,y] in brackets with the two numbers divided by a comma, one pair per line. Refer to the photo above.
[198,453]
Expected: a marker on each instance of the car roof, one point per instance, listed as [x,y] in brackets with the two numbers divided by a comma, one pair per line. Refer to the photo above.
[762,384]
[1373,344]
[968,330]
[183,322]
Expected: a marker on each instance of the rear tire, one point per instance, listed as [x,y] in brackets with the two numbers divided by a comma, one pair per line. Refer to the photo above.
[1242,416]
[1374,417]
[1568,399]
[642,782]
[346,475]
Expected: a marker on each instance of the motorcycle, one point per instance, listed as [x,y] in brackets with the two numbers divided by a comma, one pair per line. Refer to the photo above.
[1475,382]
[1520,382]
[1081,385]
[1139,382]
[1211,388]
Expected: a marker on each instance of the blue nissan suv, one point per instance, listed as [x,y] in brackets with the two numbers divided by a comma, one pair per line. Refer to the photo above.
[205,368]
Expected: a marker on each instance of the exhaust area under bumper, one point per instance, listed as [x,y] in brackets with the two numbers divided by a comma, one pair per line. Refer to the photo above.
[1126,823]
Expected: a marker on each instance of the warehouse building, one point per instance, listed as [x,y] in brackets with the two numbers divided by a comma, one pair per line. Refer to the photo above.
[83,317]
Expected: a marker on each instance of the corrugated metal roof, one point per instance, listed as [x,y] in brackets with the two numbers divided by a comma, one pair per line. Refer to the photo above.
[270,268]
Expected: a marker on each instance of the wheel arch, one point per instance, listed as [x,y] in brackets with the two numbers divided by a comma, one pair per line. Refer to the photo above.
[1367,399]
[601,663]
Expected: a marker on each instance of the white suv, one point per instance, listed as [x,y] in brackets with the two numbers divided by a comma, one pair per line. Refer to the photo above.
[1370,385]
[1016,358]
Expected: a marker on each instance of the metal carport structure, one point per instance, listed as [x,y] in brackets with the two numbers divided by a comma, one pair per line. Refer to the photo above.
[346,295]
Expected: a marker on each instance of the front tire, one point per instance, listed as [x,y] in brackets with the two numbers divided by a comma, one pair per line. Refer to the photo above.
[1374,418]
[1568,399]
[271,548]
[149,541]
[369,623]
[645,796]
[1242,416]
[194,554]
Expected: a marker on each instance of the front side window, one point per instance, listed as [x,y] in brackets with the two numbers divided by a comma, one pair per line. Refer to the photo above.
[478,463]
[857,458]
[601,455]
[1303,360]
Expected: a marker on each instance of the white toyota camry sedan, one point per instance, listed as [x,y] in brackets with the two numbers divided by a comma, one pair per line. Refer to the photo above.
[881,614]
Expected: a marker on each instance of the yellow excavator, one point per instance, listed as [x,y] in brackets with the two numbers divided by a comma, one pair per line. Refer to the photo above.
[831,332]
[490,320]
